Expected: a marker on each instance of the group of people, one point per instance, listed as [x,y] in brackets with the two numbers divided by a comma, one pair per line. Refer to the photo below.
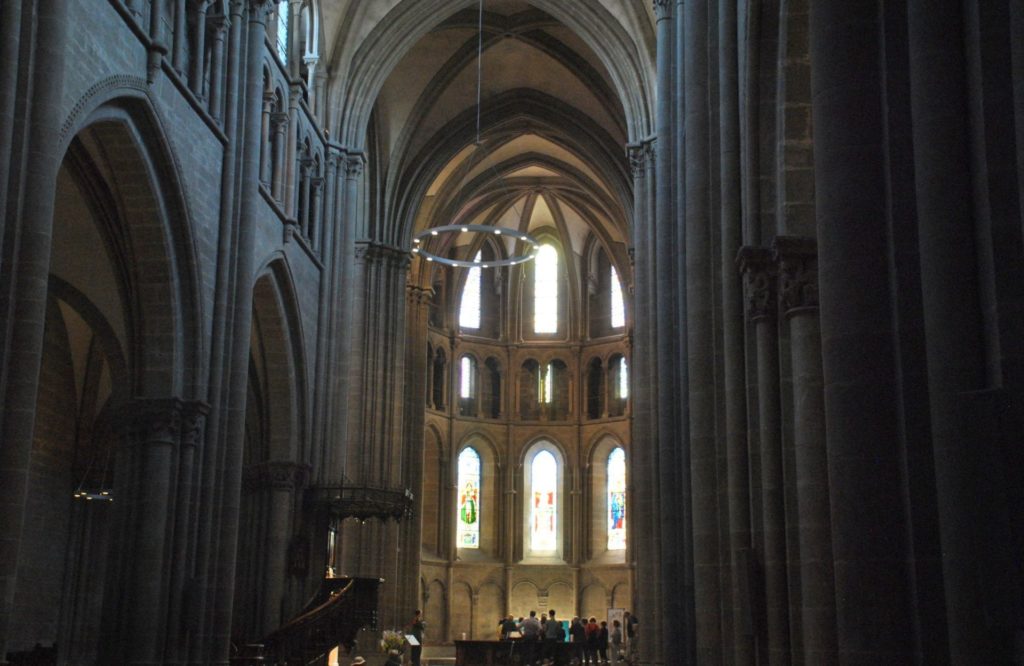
[592,642]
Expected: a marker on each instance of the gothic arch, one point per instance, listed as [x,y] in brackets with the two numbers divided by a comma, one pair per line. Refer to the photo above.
[117,131]
[278,358]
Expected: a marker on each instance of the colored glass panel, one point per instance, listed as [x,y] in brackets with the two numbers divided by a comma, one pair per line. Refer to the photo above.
[544,503]
[469,499]
[617,499]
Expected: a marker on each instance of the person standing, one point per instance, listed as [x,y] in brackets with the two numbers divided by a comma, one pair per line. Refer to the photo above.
[602,642]
[578,636]
[553,632]
[592,633]
[531,636]
[632,636]
[616,642]
[415,628]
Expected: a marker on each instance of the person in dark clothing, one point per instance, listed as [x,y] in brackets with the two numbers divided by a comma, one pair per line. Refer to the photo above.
[416,627]
[508,625]
[602,642]
[592,633]
[553,633]
[578,636]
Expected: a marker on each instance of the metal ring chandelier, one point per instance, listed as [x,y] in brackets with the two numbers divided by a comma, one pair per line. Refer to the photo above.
[419,250]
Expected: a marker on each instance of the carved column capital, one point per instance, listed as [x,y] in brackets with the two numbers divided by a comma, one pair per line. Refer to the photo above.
[637,157]
[662,9]
[276,475]
[161,420]
[797,260]
[418,295]
[373,252]
[259,10]
[279,120]
[354,163]
[758,269]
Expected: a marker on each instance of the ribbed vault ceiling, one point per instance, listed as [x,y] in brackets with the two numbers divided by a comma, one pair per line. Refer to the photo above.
[550,154]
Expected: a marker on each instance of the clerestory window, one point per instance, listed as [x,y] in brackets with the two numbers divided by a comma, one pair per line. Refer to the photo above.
[618,306]
[545,290]
[469,310]
[282,32]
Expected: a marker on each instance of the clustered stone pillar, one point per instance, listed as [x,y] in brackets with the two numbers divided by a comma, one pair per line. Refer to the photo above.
[760,276]
[798,297]
[272,489]
[873,608]
[23,275]
[153,501]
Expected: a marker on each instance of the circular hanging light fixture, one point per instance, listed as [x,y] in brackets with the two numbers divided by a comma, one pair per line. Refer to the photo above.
[419,250]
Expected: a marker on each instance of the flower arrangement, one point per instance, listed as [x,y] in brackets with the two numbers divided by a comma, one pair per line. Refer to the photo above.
[391,640]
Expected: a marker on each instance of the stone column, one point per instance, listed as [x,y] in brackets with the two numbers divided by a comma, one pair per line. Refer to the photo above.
[198,59]
[202,598]
[180,36]
[798,299]
[698,330]
[157,46]
[250,100]
[278,482]
[302,212]
[734,380]
[869,531]
[759,272]
[342,276]
[185,513]
[316,187]
[279,123]
[417,368]
[267,146]
[10,57]
[152,494]
[221,23]
[23,296]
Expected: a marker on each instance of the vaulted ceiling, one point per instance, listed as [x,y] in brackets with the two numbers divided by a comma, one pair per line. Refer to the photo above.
[540,147]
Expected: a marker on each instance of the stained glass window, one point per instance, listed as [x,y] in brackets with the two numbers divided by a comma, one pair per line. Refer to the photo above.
[618,307]
[545,290]
[282,31]
[466,372]
[469,310]
[617,499]
[544,503]
[469,499]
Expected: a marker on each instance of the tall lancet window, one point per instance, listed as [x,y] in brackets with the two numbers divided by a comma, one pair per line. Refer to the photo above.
[545,290]
[617,499]
[623,386]
[469,310]
[282,31]
[545,384]
[618,306]
[544,503]
[467,370]
[469,499]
